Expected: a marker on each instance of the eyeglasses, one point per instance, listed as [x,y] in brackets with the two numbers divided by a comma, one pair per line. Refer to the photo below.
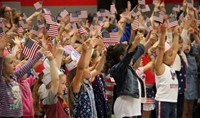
[7,11]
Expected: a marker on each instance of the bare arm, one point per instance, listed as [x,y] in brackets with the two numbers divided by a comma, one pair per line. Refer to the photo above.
[76,82]
[54,73]
[98,67]
[161,47]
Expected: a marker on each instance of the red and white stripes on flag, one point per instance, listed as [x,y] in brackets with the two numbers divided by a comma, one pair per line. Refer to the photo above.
[135,24]
[110,82]
[148,26]
[113,39]
[144,8]
[38,5]
[82,30]
[23,23]
[135,12]
[113,9]
[48,19]
[172,22]
[52,30]
[20,28]
[176,8]
[84,14]
[141,2]
[99,31]
[30,48]
[157,16]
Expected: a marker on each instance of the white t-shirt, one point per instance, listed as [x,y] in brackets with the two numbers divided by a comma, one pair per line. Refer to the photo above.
[127,105]
[167,86]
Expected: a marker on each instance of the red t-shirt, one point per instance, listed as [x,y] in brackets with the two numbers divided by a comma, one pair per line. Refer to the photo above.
[56,110]
[150,77]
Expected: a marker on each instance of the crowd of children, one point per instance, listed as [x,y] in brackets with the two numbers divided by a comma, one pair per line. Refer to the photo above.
[101,66]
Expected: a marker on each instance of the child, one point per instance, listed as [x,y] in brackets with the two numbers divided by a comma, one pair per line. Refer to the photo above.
[81,96]
[52,104]
[10,98]
[166,81]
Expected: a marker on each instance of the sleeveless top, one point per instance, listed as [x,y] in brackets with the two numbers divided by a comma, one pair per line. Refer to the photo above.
[167,86]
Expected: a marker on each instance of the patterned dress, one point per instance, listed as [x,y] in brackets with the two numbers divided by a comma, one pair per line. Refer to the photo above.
[84,103]
[100,97]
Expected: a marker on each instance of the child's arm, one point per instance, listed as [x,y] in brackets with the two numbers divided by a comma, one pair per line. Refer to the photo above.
[76,82]
[59,56]
[98,67]
[53,72]
[158,64]
[26,68]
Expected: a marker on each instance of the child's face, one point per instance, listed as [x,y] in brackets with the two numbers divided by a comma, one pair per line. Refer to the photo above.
[9,65]
[62,85]
[187,48]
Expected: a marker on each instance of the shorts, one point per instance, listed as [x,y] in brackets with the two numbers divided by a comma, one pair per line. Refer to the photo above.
[150,94]
[148,106]
[192,88]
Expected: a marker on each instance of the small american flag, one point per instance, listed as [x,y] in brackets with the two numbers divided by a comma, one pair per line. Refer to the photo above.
[23,23]
[113,9]
[84,14]
[141,2]
[172,22]
[190,3]
[135,24]
[35,30]
[1,30]
[73,17]
[148,26]
[38,5]
[135,12]
[158,17]
[46,11]
[48,19]
[99,31]
[20,28]
[40,24]
[30,48]
[23,15]
[176,8]
[64,13]
[110,38]
[82,30]
[52,30]
[144,8]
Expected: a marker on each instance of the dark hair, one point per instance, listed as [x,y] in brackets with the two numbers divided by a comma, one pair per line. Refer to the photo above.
[2,10]
[113,56]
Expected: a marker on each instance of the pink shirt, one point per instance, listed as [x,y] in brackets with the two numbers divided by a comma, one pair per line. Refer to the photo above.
[27,99]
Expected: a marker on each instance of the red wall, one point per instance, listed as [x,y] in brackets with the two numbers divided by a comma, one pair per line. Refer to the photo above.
[73,2]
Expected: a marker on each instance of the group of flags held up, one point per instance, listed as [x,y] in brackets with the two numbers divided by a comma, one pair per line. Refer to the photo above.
[50,23]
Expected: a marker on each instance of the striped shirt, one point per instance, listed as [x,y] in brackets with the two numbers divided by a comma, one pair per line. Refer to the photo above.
[10,96]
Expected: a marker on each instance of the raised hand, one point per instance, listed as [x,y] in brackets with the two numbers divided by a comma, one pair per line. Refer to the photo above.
[60,49]
[49,55]
[4,41]
[17,41]
[164,27]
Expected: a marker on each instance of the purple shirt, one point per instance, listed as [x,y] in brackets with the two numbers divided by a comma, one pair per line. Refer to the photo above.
[10,96]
